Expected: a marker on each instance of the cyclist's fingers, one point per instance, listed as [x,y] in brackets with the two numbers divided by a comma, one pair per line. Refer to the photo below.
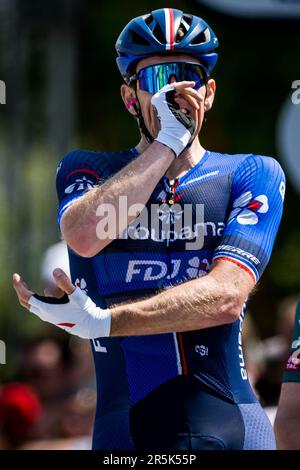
[191,92]
[182,99]
[179,86]
[21,288]
[63,282]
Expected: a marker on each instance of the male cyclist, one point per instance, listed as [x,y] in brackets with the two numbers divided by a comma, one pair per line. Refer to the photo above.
[287,422]
[165,307]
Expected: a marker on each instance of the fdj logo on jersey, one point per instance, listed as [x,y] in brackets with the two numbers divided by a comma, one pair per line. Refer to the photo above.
[246,208]
[154,270]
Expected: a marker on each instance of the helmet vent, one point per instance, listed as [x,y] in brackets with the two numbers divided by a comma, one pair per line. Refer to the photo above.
[158,34]
[149,20]
[186,21]
[201,38]
[138,39]
[183,28]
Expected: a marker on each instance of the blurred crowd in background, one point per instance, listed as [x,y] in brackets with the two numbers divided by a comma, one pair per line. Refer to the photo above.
[57,60]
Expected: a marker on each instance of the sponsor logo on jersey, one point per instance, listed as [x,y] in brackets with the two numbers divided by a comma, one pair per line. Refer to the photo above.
[201,350]
[293,363]
[153,270]
[80,184]
[184,233]
[201,178]
[58,168]
[169,215]
[238,251]
[282,189]
[98,348]
[198,268]
[246,208]
[81,283]
[243,370]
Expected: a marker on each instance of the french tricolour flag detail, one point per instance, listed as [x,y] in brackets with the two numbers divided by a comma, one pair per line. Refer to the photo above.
[169,19]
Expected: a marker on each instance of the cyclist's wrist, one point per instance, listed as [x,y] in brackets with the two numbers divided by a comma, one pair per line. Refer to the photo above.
[176,144]
[172,152]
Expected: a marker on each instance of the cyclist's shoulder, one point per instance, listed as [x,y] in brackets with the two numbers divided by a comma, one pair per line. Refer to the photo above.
[228,162]
[247,162]
[93,159]
[79,155]
[262,168]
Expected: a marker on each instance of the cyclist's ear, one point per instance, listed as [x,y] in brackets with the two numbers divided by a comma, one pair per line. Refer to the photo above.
[129,98]
[210,94]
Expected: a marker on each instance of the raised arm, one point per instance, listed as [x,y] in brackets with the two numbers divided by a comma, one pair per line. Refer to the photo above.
[218,298]
[135,182]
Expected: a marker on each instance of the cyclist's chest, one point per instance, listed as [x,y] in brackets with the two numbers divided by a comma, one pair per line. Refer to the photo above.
[180,216]
[171,241]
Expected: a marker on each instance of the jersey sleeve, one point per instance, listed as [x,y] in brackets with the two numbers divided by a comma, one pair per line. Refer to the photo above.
[255,211]
[78,172]
[292,368]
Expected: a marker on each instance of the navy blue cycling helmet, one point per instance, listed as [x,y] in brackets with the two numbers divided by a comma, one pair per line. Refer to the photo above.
[165,31]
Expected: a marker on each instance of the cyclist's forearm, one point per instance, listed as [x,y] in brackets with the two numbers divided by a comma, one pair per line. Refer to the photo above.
[135,182]
[197,304]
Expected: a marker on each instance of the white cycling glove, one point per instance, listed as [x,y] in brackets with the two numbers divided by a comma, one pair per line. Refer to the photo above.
[75,313]
[177,128]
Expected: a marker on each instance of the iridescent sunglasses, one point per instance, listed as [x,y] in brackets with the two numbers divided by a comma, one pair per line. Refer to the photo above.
[154,77]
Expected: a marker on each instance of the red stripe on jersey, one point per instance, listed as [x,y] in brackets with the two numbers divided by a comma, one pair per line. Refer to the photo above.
[182,353]
[83,170]
[171,28]
[240,265]
[70,325]
[179,196]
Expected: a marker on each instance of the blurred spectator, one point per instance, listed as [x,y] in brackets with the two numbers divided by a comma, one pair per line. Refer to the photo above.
[78,414]
[74,425]
[270,354]
[57,369]
[43,367]
[20,411]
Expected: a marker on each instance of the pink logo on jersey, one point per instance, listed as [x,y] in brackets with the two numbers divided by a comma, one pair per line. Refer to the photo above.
[245,208]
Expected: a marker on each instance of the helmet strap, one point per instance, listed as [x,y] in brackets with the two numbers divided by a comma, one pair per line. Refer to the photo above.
[205,112]
[141,122]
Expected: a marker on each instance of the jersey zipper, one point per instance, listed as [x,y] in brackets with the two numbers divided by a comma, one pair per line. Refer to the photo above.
[172,185]
[172,189]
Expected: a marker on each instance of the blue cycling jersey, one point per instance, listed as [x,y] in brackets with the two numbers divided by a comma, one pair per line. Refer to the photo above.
[242,198]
